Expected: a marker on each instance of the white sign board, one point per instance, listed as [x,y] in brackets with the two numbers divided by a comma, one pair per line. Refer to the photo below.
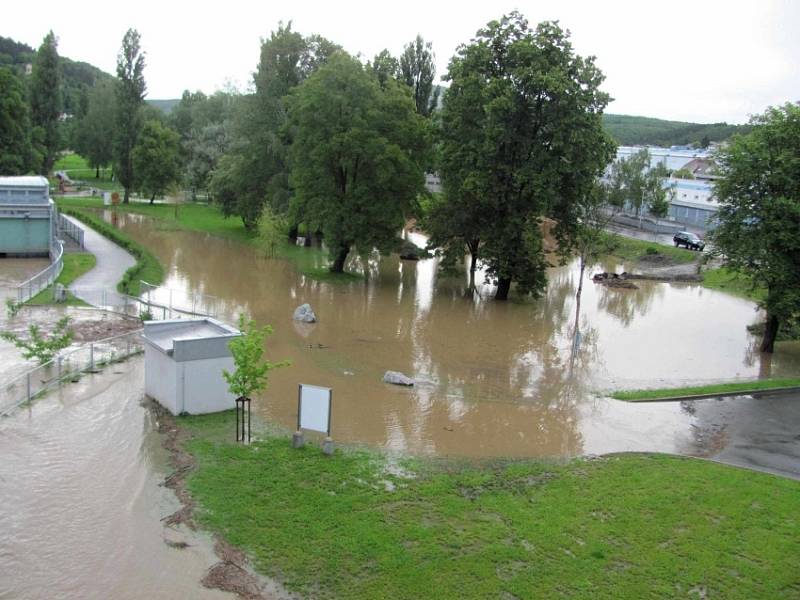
[314,408]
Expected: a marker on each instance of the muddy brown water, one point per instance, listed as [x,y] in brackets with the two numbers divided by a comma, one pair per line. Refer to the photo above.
[494,378]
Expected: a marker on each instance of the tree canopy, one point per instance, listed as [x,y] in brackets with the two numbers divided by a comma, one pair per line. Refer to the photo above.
[521,139]
[131,89]
[758,232]
[16,154]
[417,70]
[94,137]
[46,98]
[155,159]
[355,156]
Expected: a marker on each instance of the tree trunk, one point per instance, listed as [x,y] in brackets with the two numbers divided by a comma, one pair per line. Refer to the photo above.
[293,233]
[97,173]
[503,287]
[770,333]
[153,198]
[473,246]
[127,196]
[341,256]
[318,238]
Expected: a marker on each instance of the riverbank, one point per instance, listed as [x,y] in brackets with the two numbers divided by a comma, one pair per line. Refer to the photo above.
[705,391]
[362,525]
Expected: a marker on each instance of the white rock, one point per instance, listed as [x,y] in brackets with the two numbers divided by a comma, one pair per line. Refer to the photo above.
[397,378]
[305,314]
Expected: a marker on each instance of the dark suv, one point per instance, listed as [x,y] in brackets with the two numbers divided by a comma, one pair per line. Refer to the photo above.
[690,240]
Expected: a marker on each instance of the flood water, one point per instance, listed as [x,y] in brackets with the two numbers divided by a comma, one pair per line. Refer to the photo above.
[80,501]
[494,378]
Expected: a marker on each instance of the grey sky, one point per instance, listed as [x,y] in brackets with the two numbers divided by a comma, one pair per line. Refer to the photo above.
[697,60]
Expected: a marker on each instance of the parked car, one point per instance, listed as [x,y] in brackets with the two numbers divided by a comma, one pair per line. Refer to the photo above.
[688,239]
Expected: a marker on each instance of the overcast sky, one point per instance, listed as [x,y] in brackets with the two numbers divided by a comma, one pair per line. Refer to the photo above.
[697,60]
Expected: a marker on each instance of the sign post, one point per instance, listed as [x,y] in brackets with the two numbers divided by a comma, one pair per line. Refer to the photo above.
[314,414]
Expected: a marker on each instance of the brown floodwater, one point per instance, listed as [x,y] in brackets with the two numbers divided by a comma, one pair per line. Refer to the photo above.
[493,378]
[81,507]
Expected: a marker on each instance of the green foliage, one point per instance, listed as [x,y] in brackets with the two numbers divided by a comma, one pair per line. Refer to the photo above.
[734,283]
[12,307]
[46,99]
[521,139]
[759,215]
[16,153]
[631,249]
[250,376]
[147,266]
[641,131]
[95,131]
[683,174]
[130,90]
[272,230]
[356,156]
[611,527]
[155,159]
[418,70]
[633,183]
[42,347]
[385,66]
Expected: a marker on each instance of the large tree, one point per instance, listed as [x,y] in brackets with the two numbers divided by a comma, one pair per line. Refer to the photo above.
[131,90]
[634,184]
[417,69]
[15,126]
[94,138]
[354,156]
[759,218]
[522,139]
[155,159]
[46,98]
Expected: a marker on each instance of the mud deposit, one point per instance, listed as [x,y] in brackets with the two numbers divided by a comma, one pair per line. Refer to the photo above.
[492,378]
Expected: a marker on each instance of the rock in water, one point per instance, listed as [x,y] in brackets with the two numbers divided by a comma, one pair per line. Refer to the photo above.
[305,314]
[397,378]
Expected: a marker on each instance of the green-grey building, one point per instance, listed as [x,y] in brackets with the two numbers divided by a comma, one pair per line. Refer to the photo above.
[27,216]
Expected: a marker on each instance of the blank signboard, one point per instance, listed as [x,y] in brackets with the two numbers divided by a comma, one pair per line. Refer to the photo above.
[314,408]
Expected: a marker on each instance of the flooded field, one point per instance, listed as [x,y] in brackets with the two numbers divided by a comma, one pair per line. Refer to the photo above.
[493,378]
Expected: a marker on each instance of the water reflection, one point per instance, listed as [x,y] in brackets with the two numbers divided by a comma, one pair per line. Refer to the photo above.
[494,378]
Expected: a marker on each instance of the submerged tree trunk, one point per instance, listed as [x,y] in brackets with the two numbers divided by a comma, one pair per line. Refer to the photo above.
[318,237]
[770,333]
[341,256]
[473,246]
[293,233]
[503,287]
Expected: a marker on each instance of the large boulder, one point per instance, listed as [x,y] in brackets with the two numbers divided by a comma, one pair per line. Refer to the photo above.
[304,314]
[397,378]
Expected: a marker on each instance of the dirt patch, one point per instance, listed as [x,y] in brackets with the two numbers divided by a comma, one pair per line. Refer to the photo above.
[233,573]
[99,329]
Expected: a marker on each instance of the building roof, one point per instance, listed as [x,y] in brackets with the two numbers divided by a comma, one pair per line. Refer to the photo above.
[190,339]
[24,181]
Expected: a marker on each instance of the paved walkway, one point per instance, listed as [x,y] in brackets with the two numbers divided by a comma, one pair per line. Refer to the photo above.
[99,285]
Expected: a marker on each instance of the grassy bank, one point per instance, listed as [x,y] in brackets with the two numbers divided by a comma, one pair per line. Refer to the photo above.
[733,283]
[78,169]
[631,249]
[75,265]
[621,526]
[147,266]
[716,388]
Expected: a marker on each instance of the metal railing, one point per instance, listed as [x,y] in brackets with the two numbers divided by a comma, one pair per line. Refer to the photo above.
[28,289]
[66,228]
[177,300]
[68,365]
[142,306]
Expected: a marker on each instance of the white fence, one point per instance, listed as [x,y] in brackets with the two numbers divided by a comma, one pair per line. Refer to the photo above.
[67,365]
[179,301]
[146,307]
[66,228]
[28,289]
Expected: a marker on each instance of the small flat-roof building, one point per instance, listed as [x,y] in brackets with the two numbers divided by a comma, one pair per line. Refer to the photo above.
[26,216]
[183,361]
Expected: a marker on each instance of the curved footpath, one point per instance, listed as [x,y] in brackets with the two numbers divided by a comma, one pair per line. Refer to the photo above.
[99,286]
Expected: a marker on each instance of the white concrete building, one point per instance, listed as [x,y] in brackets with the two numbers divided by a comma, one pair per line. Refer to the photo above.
[673,158]
[693,202]
[183,361]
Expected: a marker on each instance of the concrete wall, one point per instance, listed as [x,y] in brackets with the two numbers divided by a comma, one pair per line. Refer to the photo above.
[201,387]
[160,378]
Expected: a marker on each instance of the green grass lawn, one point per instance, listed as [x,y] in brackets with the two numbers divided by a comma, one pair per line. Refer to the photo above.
[733,283]
[627,526]
[78,169]
[715,388]
[631,249]
[75,265]
[147,266]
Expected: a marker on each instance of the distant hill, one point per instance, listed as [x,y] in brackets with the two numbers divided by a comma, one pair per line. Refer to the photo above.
[632,131]
[165,106]
[77,76]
